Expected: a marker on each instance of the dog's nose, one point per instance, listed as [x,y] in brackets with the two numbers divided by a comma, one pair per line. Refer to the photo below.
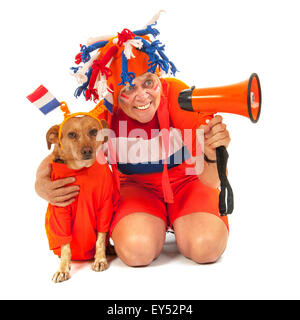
[86,152]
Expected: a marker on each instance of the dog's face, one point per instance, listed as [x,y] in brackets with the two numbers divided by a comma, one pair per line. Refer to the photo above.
[79,141]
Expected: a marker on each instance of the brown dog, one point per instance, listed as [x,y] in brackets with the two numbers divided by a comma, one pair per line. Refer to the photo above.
[79,140]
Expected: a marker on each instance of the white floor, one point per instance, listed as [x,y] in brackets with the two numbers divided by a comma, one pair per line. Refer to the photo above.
[253,267]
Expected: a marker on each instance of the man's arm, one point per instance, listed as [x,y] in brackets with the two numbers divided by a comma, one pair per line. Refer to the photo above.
[54,191]
[215,135]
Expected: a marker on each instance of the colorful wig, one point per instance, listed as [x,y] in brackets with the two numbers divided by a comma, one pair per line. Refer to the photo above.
[117,61]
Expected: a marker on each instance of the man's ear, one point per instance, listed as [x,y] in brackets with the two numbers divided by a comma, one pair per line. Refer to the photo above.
[52,136]
[103,133]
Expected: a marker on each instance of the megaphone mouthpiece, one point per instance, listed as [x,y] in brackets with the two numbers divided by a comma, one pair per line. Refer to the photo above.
[185,99]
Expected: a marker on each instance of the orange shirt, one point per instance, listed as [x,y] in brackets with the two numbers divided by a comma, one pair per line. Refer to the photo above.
[91,212]
[168,116]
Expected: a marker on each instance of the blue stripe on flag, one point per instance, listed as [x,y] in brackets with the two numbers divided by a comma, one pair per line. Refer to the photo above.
[50,106]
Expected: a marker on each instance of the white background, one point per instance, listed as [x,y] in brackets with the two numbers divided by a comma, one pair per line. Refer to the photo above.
[212,43]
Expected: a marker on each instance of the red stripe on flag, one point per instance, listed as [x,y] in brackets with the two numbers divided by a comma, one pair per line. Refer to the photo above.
[37,94]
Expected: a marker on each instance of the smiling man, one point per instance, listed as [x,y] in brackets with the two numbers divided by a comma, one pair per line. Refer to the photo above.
[141,100]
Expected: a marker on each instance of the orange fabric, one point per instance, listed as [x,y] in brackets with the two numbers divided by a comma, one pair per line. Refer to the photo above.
[91,212]
[138,65]
[179,118]
[183,119]
[143,193]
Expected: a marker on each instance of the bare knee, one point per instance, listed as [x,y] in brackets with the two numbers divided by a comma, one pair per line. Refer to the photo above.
[206,249]
[137,250]
[204,243]
[139,246]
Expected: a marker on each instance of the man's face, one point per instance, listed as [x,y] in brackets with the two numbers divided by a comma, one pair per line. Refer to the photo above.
[141,101]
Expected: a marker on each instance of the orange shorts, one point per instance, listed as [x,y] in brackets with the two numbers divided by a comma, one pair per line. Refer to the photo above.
[143,193]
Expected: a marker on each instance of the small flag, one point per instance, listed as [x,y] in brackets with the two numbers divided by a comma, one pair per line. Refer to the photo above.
[43,100]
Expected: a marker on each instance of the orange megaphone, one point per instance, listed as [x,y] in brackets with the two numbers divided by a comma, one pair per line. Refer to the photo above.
[243,98]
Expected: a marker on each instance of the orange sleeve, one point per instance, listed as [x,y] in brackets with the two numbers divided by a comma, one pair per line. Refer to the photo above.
[180,118]
[58,226]
[188,122]
[105,212]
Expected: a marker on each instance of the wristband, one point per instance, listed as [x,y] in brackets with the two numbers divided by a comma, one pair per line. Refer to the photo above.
[208,160]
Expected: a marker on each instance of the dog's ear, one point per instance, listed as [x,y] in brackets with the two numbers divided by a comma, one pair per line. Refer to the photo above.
[103,133]
[52,136]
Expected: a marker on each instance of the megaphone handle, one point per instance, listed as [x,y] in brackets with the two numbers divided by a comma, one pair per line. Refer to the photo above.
[222,157]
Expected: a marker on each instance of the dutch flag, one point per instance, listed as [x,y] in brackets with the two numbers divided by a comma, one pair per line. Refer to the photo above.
[43,99]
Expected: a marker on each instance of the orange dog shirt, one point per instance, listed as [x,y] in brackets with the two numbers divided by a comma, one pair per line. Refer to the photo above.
[91,212]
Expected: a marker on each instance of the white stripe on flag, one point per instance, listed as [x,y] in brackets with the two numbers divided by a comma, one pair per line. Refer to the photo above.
[44,100]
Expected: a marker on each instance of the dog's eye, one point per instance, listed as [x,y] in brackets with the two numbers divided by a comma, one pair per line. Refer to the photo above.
[93,132]
[72,135]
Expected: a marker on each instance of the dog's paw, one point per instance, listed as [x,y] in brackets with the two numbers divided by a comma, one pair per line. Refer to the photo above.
[61,276]
[100,265]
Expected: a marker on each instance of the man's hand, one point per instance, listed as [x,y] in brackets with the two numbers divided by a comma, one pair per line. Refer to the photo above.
[54,191]
[215,135]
